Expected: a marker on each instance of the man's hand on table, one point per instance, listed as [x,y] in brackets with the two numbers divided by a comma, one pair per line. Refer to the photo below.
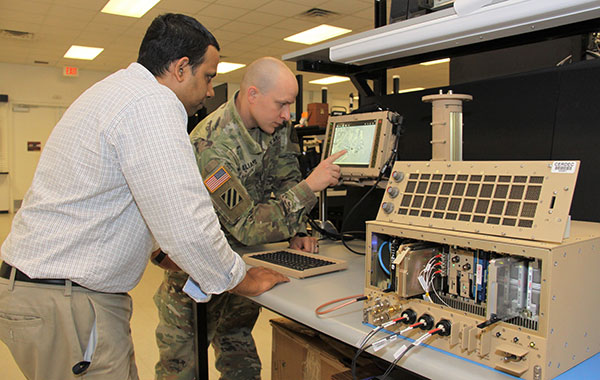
[305,243]
[257,281]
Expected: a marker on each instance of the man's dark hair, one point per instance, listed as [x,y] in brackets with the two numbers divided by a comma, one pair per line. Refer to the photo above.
[171,37]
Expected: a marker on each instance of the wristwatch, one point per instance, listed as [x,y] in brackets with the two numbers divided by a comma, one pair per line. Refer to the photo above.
[158,258]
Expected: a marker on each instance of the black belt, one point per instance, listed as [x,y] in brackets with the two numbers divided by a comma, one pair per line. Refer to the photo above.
[5,270]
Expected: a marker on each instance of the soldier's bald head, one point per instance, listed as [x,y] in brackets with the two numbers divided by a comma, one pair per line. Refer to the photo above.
[267,91]
[264,73]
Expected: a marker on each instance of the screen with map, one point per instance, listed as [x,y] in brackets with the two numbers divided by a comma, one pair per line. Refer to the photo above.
[368,139]
[357,138]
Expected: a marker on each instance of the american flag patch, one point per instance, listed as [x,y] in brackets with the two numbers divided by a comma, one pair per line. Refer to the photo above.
[217,179]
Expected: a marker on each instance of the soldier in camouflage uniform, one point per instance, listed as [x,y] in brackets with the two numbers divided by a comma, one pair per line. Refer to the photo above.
[246,152]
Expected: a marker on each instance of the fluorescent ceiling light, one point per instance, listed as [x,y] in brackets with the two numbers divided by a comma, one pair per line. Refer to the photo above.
[129,8]
[448,29]
[225,67]
[330,80]
[429,63]
[410,90]
[317,34]
[83,52]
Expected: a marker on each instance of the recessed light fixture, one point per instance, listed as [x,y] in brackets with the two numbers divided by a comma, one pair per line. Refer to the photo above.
[410,90]
[83,52]
[317,34]
[225,67]
[443,60]
[330,80]
[129,8]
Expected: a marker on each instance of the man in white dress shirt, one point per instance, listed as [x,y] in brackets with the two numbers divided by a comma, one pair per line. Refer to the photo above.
[117,177]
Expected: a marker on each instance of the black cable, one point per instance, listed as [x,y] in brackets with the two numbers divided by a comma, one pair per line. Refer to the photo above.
[352,210]
[399,131]
[395,362]
[332,235]
[323,232]
[360,351]
[368,337]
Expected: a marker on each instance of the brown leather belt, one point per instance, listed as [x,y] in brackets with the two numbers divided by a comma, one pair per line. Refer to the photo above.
[5,270]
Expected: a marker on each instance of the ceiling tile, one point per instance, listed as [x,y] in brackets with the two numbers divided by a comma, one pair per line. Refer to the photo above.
[260,18]
[188,7]
[44,55]
[11,15]
[283,8]
[234,48]
[230,13]
[49,31]
[346,6]
[19,26]
[108,19]
[294,25]
[101,28]
[248,57]
[245,4]
[96,39]
[61,22]
[277,33]
[255,39]
[367,13]
[148,17]
[35,7]
[93,5]
[9,57]
[246,29]
[211,22]
[353,23]
[309,3]
[243,45]
[227,36]
[64,12]
[237,26]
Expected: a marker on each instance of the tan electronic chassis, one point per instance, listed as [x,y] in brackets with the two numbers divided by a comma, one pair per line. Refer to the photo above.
[514,279]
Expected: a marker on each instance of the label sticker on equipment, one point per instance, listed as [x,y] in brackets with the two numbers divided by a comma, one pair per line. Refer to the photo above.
[564,167]
[400,351]
[383,342]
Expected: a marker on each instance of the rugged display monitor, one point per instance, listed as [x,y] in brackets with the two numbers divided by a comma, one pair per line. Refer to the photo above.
[368,139]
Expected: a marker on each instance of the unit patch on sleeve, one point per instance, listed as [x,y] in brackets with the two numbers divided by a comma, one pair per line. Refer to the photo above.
[231,197]
[217,179]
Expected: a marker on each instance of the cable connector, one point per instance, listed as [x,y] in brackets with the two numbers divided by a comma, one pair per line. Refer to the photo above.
[426,322]
[444,327]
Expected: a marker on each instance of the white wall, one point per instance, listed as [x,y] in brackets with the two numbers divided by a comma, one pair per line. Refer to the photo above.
[37,86]
[46,87]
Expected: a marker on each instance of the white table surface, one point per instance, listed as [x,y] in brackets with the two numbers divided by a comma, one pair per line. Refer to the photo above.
[298,300]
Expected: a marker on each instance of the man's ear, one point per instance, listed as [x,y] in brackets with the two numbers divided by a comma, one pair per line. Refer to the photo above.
[179,68]
[252,94]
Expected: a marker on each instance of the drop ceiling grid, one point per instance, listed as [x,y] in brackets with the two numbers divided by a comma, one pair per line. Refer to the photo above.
[246,29]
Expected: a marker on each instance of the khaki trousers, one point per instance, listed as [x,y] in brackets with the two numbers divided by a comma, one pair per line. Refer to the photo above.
[47,328]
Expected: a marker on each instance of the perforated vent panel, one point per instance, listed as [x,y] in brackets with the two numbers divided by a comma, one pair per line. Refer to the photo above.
[519,199]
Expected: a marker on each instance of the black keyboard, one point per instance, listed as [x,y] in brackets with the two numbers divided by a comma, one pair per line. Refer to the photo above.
[295,263]
[292,260]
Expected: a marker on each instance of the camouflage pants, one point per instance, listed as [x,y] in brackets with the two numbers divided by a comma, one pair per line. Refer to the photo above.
[230,320]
